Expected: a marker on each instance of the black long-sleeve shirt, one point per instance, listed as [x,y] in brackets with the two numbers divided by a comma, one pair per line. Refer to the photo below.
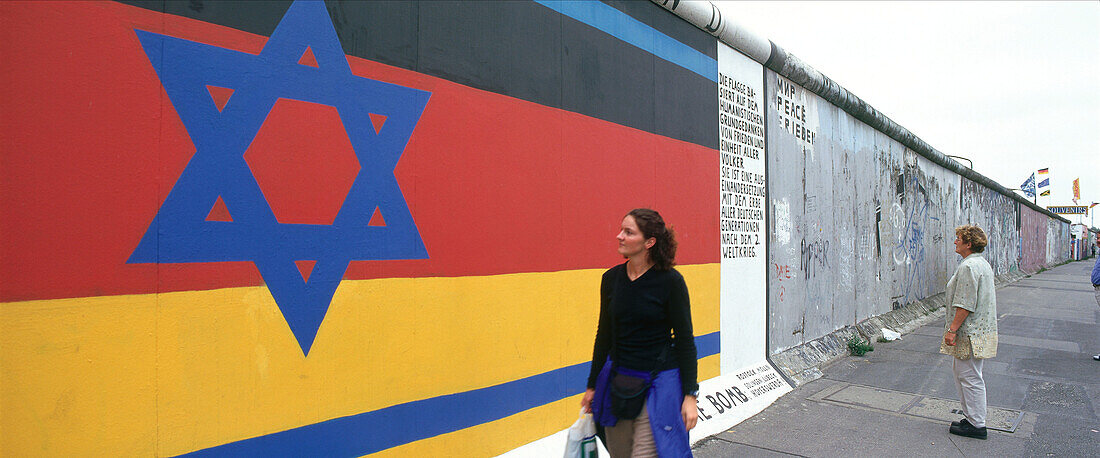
[651,313]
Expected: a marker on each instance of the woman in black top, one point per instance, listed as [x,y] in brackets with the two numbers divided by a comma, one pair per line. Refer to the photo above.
[645,329]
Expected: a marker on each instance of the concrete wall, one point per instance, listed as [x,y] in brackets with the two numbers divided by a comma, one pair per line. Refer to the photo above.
[346,228]
[863,225]
[1033,240]
[334,229]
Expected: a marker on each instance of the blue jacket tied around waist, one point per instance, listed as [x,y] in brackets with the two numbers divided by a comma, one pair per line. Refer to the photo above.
[663,403]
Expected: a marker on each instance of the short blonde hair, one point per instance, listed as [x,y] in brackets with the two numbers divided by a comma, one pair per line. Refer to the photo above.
[974,235]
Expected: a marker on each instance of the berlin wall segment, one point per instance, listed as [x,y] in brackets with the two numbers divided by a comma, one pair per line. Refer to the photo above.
[807,171]
[837,260]
[201,352]
[748,382]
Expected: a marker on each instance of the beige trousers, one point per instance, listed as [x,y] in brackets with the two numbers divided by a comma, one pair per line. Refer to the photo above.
[971,385]
[632,438]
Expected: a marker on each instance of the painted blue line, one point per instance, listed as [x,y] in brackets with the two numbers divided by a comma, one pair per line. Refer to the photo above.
[620,25]
[401,424]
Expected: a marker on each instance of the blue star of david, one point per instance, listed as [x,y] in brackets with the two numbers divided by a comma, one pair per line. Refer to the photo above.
[179,232]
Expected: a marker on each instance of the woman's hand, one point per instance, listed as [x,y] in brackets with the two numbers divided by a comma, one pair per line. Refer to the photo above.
[586,401]
[960,316]
[690,411]
[949,338]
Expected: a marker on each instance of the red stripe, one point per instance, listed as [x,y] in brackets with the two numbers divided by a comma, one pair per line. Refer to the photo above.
[496,185]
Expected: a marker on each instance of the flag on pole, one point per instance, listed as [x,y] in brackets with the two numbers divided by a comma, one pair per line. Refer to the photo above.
[1045,193]
[1076,189]
[1043,171]
[1029,186]
[1044,183]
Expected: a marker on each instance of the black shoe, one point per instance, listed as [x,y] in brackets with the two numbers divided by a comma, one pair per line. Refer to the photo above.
[968,430]
[960,422]
[1097,357]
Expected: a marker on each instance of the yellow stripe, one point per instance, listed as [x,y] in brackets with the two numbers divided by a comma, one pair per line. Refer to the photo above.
[176,372]
[77,376]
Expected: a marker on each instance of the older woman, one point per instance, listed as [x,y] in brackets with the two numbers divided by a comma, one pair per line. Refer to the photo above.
[970,335]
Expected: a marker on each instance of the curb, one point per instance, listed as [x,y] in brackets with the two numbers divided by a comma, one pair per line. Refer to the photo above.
[802,364]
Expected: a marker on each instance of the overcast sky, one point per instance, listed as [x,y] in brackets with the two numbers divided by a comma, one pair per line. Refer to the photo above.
[1013,86]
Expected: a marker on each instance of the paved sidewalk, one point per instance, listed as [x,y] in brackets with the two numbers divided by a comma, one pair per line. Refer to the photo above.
[898,400]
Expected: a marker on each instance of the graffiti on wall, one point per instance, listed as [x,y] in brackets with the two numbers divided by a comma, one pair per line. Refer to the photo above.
[909,229]
[814,257]
[781,211]
[996,215]
[899,250]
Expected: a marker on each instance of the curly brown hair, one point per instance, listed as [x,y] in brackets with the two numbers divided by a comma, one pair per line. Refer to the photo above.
[974,235]
[663,253]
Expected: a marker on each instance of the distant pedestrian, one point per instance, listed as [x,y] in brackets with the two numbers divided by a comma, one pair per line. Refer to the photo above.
[642,386]
[970,335]
[1096,282]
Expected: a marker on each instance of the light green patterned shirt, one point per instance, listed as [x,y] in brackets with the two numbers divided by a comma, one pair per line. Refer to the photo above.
[972,288]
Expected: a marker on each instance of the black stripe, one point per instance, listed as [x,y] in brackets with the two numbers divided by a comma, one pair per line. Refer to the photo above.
[518,48]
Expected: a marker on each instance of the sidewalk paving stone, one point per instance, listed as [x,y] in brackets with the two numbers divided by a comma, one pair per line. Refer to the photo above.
[1043,388]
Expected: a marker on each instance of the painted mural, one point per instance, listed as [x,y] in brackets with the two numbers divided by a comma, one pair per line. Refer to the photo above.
[306,102]
[319,229]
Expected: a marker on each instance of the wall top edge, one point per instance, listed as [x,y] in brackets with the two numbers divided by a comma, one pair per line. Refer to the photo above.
[706,16]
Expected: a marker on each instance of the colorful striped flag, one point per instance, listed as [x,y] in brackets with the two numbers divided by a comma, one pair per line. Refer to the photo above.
[1045,193]
[1043,171]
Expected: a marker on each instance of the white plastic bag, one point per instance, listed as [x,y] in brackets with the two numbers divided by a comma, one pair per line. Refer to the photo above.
[581,442]
[890,335]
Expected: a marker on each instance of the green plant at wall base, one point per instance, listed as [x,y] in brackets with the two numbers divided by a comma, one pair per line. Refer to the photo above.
[859,347]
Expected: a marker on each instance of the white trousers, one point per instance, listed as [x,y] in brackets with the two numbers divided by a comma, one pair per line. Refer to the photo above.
[971,385]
